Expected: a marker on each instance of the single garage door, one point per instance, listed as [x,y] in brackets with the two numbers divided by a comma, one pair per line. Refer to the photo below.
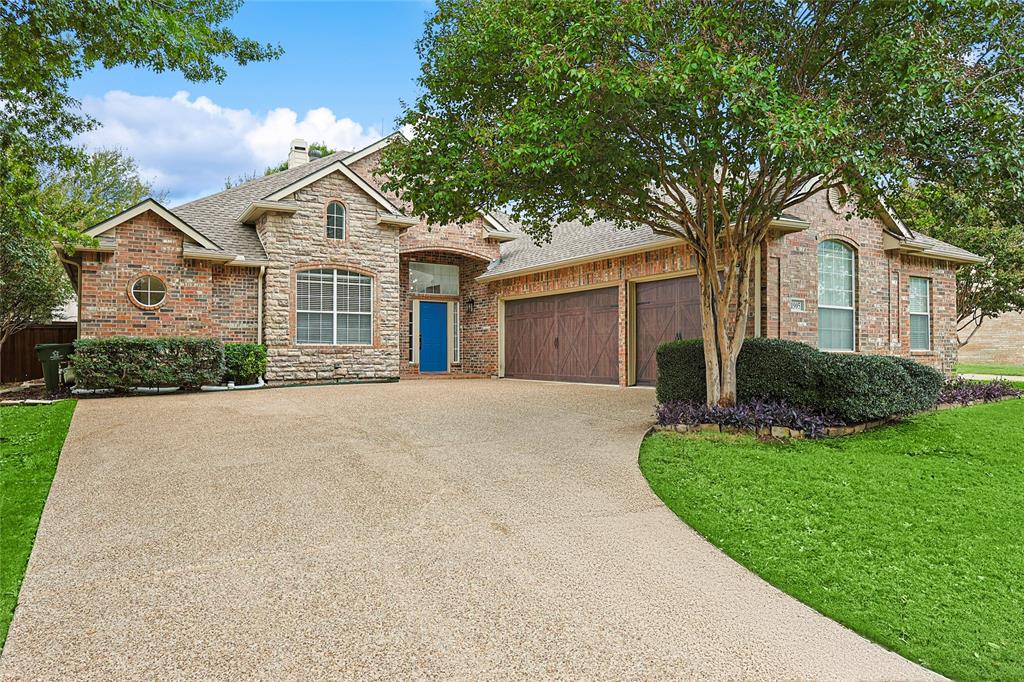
[566,337]
[667,309]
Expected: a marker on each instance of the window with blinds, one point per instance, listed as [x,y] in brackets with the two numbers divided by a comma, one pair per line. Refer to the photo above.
[333,307]
[920,314]
[836,297]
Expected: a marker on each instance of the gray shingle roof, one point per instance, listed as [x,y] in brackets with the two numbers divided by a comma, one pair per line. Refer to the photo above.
[569,241]
[573,241]
[937,248]
[215,216]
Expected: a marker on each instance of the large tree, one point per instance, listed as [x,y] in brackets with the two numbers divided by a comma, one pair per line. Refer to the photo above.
[33,283]
[103,183]
[988,221]
[46,43]
[705,119]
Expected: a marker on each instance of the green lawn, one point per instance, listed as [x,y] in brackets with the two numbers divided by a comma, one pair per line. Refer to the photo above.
[1011,370]
[30,441]
[912,535]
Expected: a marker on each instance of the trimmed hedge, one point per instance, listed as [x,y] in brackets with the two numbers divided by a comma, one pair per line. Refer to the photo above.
[125,362]
[244,363]
[853,388]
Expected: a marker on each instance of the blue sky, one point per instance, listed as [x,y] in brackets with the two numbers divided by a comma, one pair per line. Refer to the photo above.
[346,67]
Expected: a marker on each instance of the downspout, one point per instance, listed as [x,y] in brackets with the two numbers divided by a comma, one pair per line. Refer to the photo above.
[259,304]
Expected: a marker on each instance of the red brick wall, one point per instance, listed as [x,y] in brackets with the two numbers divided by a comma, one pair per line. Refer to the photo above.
[203,298]
[999,341]
[478,329]
[789,270]
[882,287]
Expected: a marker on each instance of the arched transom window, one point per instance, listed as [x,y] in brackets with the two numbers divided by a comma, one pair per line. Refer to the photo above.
[333,307]
[336,220]
[836,296]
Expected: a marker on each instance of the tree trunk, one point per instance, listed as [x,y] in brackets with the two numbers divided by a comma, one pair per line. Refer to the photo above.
[725,311]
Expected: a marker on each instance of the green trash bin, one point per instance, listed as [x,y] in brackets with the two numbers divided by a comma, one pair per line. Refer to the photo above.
[51,355]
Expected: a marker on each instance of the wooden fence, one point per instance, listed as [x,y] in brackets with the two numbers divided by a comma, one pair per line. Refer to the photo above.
[18,360]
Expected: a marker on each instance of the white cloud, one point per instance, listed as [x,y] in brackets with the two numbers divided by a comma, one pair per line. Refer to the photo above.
[188,146]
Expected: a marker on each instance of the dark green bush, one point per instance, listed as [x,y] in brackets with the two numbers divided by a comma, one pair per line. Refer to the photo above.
[767,369]
[244,363]
[681,371]
[125,362]
[860,388]
[855,388]
[928,381]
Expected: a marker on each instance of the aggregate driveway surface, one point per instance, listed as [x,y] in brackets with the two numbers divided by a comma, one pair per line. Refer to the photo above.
[456,529]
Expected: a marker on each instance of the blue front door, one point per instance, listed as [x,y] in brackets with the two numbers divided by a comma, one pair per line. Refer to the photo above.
[433,337]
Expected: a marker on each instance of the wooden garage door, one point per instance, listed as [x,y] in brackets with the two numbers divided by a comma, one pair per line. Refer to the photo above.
[665,310]
[567,337]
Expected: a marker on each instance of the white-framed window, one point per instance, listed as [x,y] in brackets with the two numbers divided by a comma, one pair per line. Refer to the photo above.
[333,307]
[336,220]
[434,278]
[836,296]
[148,291]
[456,345]
[920,313]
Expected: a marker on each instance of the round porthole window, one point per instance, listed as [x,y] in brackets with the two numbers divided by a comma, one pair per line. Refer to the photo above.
[148,292]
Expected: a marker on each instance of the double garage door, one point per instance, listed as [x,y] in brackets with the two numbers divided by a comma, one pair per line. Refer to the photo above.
[575,337]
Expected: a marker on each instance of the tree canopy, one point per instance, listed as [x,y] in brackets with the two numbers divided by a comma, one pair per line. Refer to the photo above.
[43,45]
[705,120]
[988,222]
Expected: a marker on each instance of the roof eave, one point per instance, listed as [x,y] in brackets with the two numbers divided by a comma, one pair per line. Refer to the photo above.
[257,208]
[397,220]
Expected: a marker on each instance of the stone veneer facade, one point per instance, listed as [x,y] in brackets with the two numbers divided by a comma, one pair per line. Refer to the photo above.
[210,299]
[299,242]
[203,298]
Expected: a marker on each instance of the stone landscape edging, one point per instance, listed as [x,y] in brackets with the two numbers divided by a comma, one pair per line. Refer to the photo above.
[783,432]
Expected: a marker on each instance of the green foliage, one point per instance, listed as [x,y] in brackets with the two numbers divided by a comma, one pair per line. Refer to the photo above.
[988,221]
[32,282]
[927,381]
[854,388]
[31,438]
[124,362]
[244,363]
[681,371]
[45,45]
[103,184]
[909,534]
[705,120]
[860,388]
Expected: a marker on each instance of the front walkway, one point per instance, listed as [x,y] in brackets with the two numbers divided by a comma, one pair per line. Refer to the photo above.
[468,529]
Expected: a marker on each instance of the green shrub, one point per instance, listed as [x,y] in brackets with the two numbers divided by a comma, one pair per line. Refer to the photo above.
[854,388]
[860,388]
[681,371]
[125,362]
[244,363]
[767,369]
[928,381]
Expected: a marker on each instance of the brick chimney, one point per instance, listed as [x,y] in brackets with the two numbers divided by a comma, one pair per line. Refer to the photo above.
[299,153]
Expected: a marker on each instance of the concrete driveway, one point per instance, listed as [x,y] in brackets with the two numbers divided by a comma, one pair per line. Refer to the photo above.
[466,529]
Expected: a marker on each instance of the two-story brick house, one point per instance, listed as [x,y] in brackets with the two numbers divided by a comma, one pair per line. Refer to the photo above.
[340,284]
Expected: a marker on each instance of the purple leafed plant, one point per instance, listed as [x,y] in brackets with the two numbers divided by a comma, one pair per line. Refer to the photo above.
[750,415]
[963,391]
